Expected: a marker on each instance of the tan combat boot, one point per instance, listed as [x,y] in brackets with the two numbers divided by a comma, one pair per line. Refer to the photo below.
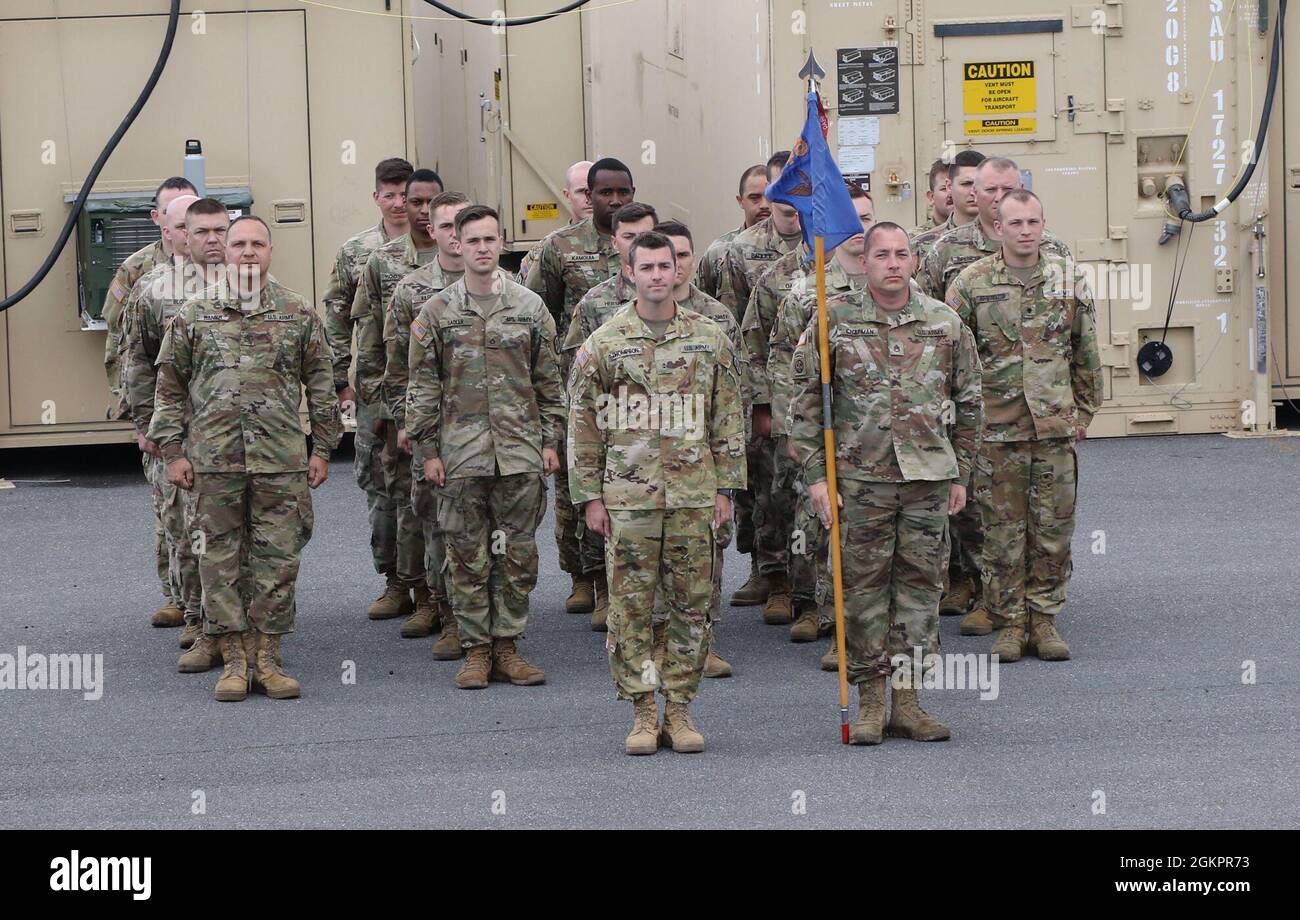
[831,660]
[419,624]
[908,720]
[268,676]
[957,599]
[715,666]
[678,731]
[190,634]
[778,611]
[167,616]
[509,665]
[755,591]
[203,655]
[394,602]
[600,612]
[582,599]
[869,727]
[447,648]
[232,685]
[1010,643]
[806,628]
[1044,640]
[644,737]
[979,622]
[474,673]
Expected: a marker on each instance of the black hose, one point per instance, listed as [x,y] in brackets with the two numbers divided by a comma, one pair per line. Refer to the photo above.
[1178,196]
[71,223]
[506,23]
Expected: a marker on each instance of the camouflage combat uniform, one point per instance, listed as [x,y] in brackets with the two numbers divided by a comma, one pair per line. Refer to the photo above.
[907,418]
[923,240]
[774,511]
[809,564]
[952,252]
[385,267]
[570,262]
[484,396]
[709,268]
[747,256]
[659,479]
[135,267]
[229,386]
[410,294]
[368,468]
[155,299]
[925,225]
[1042,382]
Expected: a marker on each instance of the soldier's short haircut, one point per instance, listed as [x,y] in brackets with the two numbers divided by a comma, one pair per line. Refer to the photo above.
[253,217]
[676,229]
[174,183]
[607,164]
[206,206]
[964,160]
[476,212]
[885,226]
[1023,195]
[998,164]
[857,191]
[652,240]
[777,161]
[631,213]
[937,168]
[759,170]
[424,175]
[448,199]
[393,171]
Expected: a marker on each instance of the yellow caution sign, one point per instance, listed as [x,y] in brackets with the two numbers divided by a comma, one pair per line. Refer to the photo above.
[989,126]
[997,95]
[546,210]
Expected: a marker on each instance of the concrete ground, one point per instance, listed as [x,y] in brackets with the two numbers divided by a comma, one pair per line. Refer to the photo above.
[1180,708]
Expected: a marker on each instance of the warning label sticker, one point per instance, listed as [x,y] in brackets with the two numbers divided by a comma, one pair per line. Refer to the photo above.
[547,210]
[997,94]
[989,126]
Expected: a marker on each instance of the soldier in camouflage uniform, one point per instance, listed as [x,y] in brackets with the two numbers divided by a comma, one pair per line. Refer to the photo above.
[907,416]
[753,202]
[689,297]
[938,198]
[387,266]
[577,199]
[967,244]
[485,405]
[964,205]
[410,294]
[809,572]
[595,307]
[1034,323]
[231,374]
[656,443]
[132,269]
[136,266]
[198,233]
[747,257]
[774,286]
[571,262]
[340,292]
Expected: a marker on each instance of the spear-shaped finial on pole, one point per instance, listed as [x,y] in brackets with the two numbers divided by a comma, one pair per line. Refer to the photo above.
[812,71]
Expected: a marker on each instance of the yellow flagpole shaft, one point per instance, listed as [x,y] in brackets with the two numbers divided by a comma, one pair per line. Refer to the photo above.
[828,434]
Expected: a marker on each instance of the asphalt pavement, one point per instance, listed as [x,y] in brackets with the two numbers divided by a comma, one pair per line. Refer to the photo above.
[1180,708]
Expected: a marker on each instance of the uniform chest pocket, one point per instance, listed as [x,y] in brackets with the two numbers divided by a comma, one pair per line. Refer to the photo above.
[462,343]
[221,346]
[861,358]
[936,352]
[509,336]
[630,372]
[676,373]
[1006,316]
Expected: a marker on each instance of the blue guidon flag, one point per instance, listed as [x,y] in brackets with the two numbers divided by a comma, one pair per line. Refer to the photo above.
[813,185]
